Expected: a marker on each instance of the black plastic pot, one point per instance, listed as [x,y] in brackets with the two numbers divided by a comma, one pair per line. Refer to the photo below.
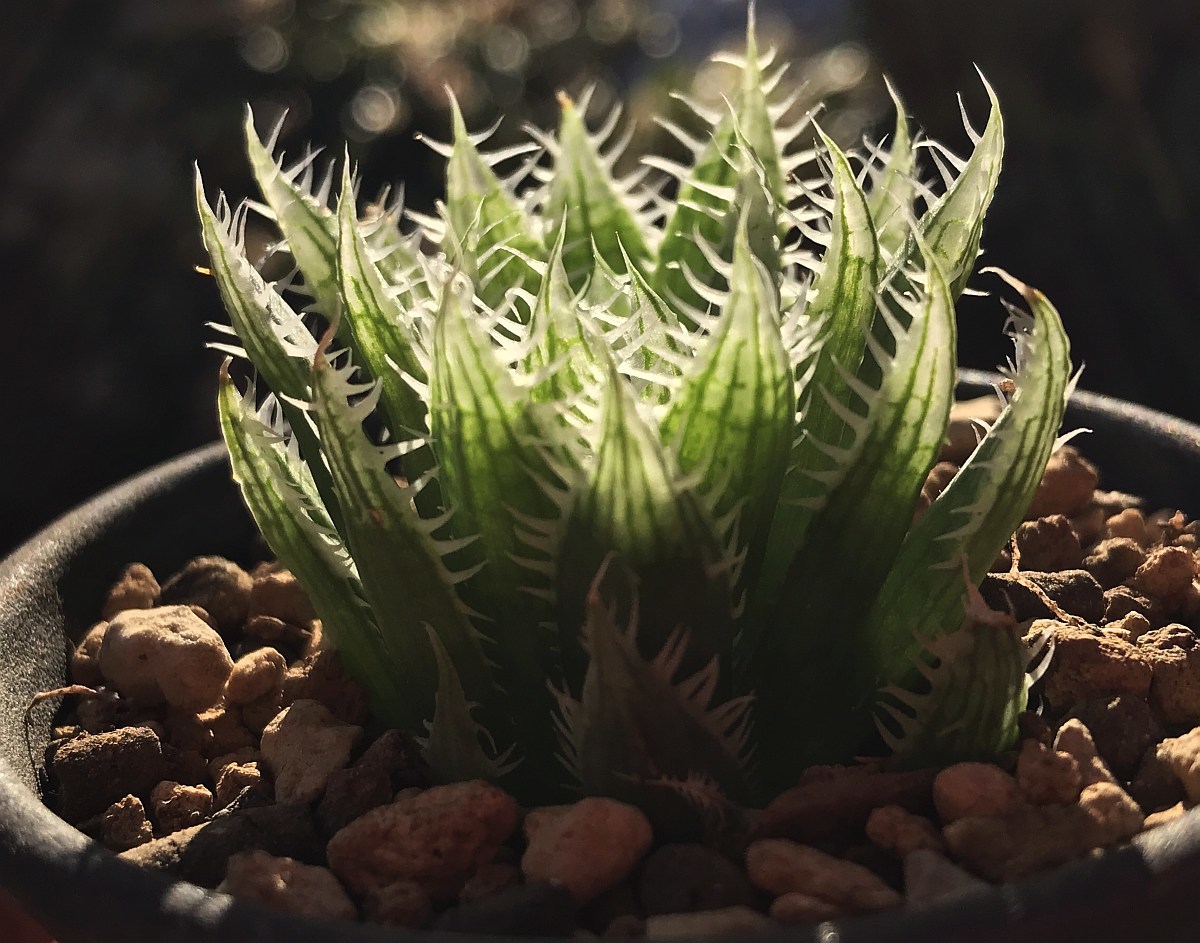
[51,588]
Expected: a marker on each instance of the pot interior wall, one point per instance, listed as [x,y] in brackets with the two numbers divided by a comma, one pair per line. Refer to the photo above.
[51,590]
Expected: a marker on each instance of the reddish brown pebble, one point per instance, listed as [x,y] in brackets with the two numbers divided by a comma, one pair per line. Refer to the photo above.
[779,866]
[1088,664]
[901,832]
[1048,544]
[588,847]
[974,789]
[1046,776]
[399,904]
[235,778]
[165,654]
[286,884]
[125,825]
[85,661]
[136,589]
[219,586]
[302,747]
[1181,755]
[1067,485]
[177,806]
[276,592]
[438,838]
[255,675]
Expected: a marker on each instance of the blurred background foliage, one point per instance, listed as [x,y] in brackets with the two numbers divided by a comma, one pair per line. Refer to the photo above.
[104,107]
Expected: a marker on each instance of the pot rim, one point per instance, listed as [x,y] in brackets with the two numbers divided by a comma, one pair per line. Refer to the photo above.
[42,857]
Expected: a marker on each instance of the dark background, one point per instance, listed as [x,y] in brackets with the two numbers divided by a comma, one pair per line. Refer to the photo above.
[104,107]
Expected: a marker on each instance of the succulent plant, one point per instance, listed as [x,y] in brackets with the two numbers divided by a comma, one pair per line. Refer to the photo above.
[607,484]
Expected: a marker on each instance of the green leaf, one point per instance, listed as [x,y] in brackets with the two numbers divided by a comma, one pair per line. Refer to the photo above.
[973,686]
[500,481]
[305,221]
[833,406]
[953,226]
[707,206]
[852,543]
[645,330]
[565,335]
[893,185]
[273,336]
[282,497]
[731,420]
[657,539]
[489,235]
[399,560]
[925,593]
[381,331]
[454,749]
[585,201]
[639,720]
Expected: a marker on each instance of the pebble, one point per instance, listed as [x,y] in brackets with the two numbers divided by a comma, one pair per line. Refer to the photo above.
[235,779]
[92,772]
[165,654]
[275,592]
[730,922]
[797,909]
[1114,560]
[1048,544]
[1175,686]
[931,877]
[1166,575]
[125,825]
[219,586]
[399,904]
[901,832]
[135,589]
[85,660]
[974,789]
[1181,755]
[839,801]
[321,677]
[302,748]
[538,908]
[688,877]
[200,853]
[1075,739]
[1128,524]
[779,866]
[1067,485]
[286,884]
[588,847]
[177,806]
[438,838]
[1123,729]
[1073,591]
[255,675]
[1047,776]
[1089,664]
[351,793]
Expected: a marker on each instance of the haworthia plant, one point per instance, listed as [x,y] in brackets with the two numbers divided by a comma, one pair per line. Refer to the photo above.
[601,489]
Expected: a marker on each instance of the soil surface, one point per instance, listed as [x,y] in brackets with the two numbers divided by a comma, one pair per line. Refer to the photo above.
[213,736]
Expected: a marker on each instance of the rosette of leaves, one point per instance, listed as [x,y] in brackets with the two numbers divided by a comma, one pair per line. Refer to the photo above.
[601,484]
